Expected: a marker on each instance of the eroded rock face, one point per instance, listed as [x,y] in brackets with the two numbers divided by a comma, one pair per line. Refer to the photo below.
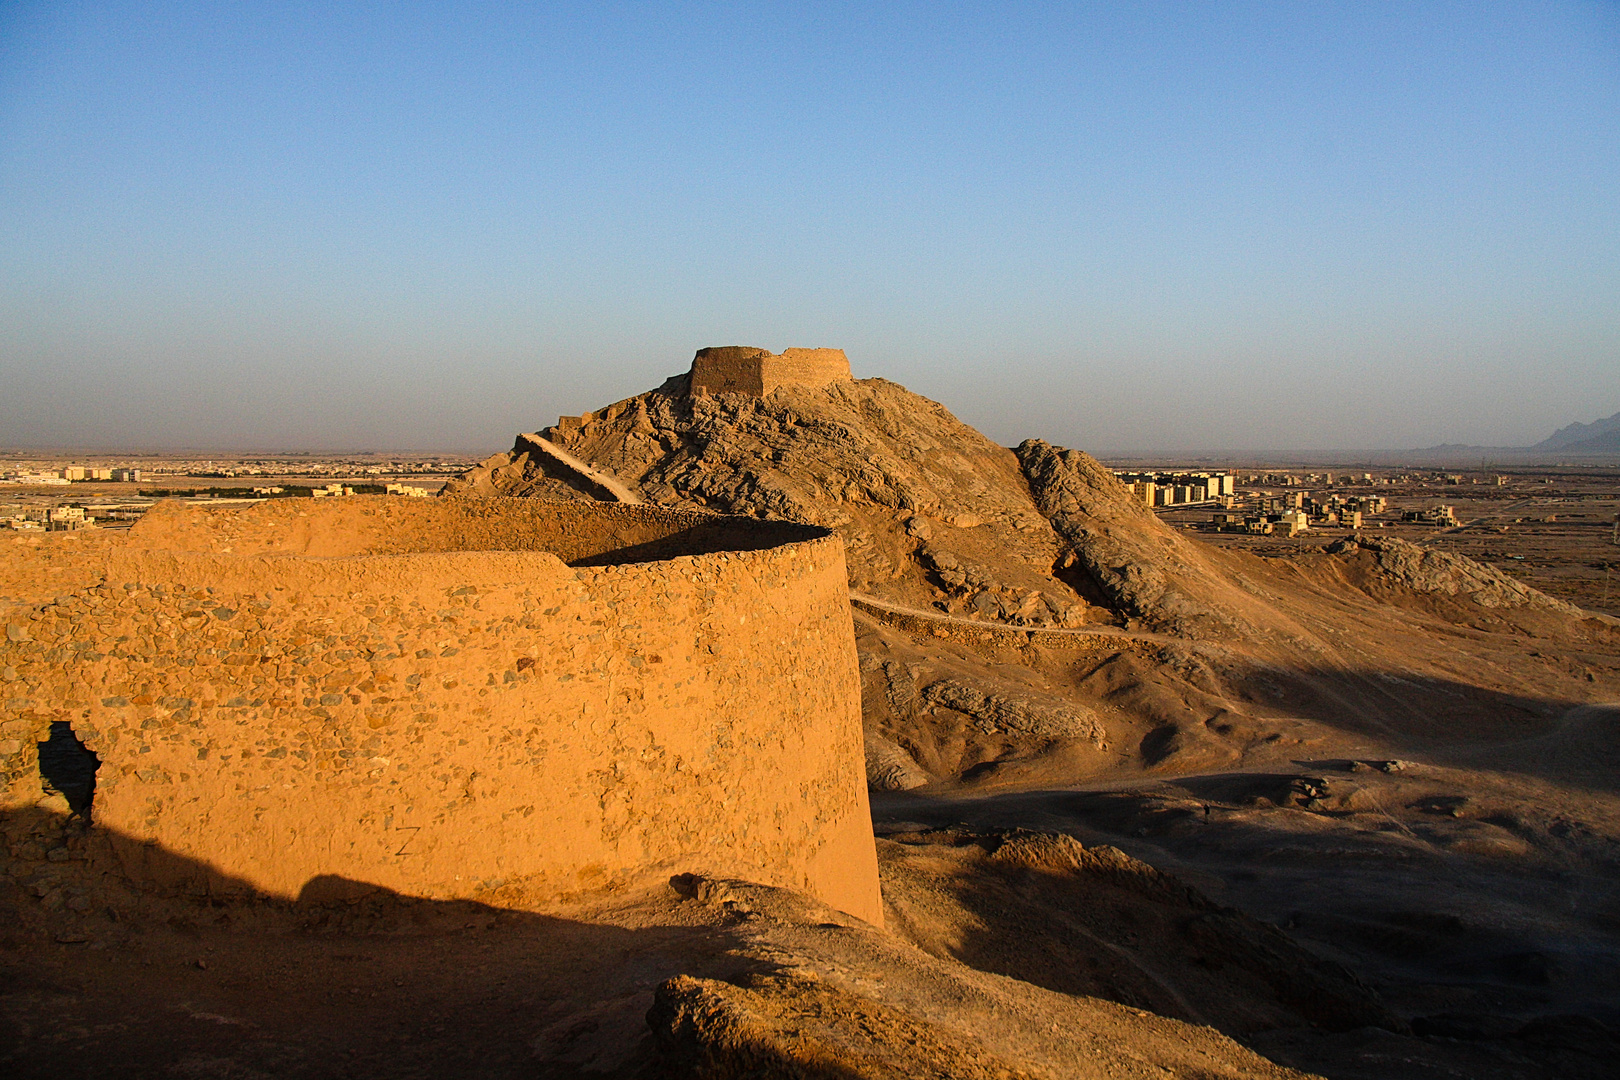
[1426,570]
[1138,563]
[1003,712]
[785,1025]
[889,767]
[825,999]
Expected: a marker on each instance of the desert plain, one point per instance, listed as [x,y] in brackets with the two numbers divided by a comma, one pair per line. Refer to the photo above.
[1147,799]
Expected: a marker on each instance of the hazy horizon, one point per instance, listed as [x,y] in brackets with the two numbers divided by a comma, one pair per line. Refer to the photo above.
[1144,229]
[1452,455]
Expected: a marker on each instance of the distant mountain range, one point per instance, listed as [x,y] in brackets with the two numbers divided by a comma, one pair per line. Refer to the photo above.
[1598,437]
[1576,440]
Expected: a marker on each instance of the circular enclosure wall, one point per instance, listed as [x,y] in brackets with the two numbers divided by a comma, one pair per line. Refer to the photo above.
[504,700]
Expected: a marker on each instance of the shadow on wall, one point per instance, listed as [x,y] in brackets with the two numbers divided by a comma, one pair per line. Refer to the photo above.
[348,980]
[705,539]
[103,865]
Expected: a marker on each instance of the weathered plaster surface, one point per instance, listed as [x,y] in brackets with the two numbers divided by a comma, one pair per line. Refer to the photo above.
[303,696]
[740,369]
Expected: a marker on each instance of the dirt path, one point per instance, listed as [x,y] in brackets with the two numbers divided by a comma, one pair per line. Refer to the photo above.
[889,607]
[614,488]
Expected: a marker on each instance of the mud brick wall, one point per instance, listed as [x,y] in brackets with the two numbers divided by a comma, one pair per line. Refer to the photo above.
[297,699]
[737,369]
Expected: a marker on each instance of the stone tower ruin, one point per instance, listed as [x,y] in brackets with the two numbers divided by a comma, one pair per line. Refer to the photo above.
[742,369]
[504,700]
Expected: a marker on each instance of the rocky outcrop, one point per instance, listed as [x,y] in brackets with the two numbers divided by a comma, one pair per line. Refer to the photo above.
[1084,920]
[996,713]
[814,995]
[1426,570]
[974,589]
[535,467]
[800,1027]
[1138,564]
[889,767]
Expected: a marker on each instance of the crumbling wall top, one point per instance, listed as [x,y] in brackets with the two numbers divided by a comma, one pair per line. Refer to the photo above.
[580,534]
[743,369]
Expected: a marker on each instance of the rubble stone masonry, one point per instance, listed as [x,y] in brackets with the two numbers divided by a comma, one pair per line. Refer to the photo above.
[741,369]
[503,700]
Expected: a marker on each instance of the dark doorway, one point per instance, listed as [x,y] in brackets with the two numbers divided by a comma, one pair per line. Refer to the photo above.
[68,767]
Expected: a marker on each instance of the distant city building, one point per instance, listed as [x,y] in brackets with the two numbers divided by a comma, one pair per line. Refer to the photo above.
[1368,504]
[47,479]
[408,490]
[1439,515]
[1177,489]
[1145,491]
[64,517]
[1293,522]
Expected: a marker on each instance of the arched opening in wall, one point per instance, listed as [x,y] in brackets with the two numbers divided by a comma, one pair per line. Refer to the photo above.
[67,768]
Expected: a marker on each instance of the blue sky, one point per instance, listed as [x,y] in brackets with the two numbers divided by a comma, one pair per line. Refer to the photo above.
[1130,228]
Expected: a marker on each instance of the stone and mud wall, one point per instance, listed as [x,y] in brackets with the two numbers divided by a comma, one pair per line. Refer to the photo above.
[741,369]
[503,700]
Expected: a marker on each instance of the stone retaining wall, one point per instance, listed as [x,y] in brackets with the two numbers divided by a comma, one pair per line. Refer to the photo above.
[314,699]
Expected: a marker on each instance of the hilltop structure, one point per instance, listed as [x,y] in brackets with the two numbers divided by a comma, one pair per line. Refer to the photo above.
[503,700]
[742,369]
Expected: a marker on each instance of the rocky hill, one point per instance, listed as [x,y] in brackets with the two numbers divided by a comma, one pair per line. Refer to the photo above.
[947,528]
[1366,742]
[931,511]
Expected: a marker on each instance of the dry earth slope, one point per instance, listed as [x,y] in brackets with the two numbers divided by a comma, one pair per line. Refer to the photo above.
[939,520]
[1039,651]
